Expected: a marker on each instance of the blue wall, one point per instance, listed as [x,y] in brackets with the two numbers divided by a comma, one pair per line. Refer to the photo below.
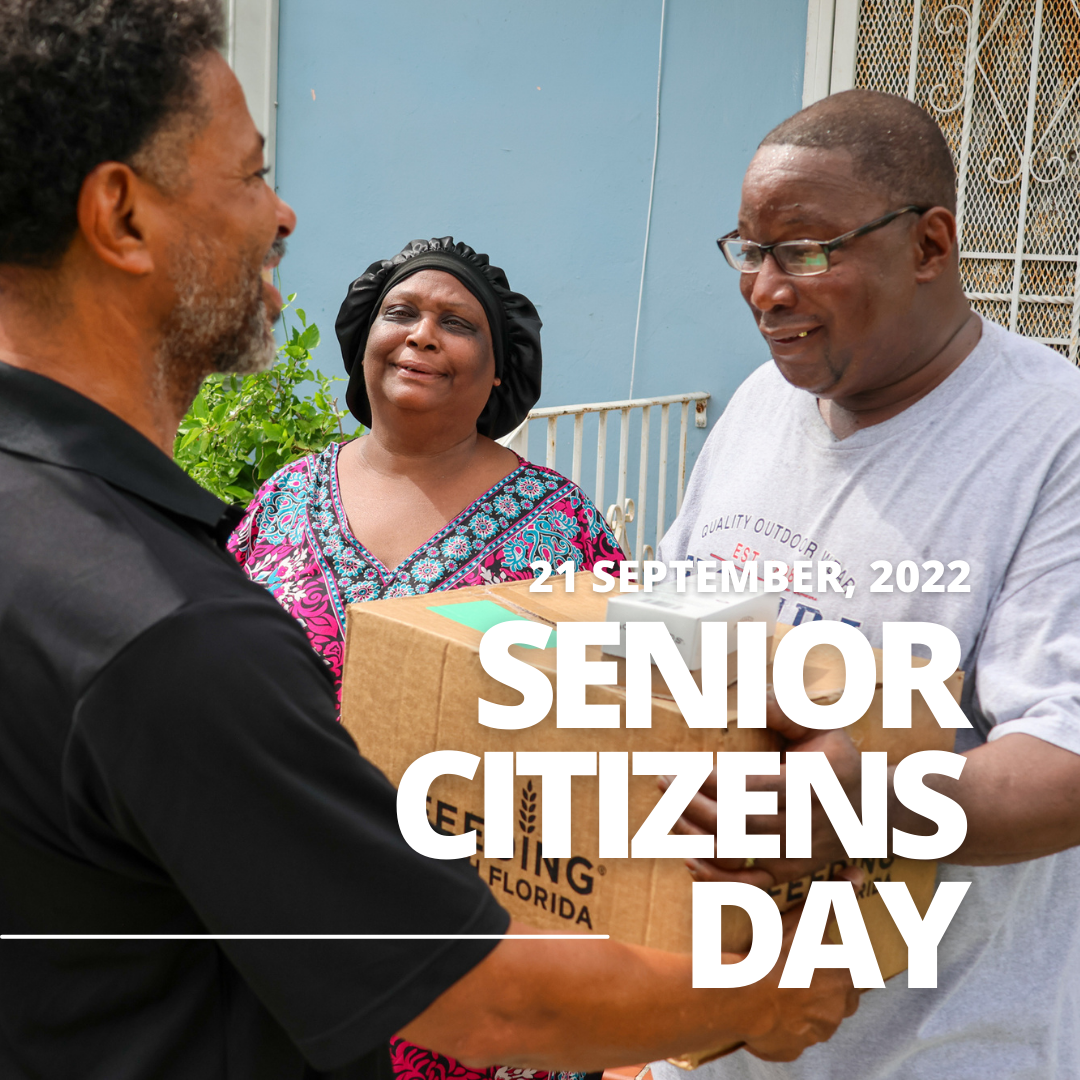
[526,130]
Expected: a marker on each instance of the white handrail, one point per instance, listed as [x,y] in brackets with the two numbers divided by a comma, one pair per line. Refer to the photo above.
[610,406]
[624,510]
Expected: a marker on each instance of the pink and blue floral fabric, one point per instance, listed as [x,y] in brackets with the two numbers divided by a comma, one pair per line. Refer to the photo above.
[295,540]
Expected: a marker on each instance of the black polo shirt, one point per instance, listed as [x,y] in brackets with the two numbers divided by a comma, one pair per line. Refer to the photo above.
[170,763]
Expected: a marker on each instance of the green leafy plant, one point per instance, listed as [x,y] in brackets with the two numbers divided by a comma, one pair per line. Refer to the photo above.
[241,430]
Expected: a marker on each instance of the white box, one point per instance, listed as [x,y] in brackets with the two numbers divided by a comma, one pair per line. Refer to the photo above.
[684,612]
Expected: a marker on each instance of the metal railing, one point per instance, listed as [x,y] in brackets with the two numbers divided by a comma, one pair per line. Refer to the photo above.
[623,510]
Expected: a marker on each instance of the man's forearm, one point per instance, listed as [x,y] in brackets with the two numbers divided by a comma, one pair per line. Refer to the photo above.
[592,1004]
[1021,796]
[584,1005]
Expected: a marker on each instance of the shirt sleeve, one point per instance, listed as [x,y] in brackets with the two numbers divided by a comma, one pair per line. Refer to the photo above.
[1026,674]
[595,540]
[209,749]
[264,505]
[242,541]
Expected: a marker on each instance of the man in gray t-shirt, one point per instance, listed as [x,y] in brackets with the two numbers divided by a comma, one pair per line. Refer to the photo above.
[936,458]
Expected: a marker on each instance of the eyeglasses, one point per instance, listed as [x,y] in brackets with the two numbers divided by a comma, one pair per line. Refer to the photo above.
[800,258]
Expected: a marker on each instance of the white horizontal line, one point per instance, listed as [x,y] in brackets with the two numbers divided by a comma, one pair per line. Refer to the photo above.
[304,937]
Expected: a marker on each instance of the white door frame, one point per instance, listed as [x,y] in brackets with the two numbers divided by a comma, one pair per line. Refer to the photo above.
[832,32]
[252,52]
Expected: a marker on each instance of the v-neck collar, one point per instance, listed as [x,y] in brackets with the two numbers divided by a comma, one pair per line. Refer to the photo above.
[386,574]
[961,379]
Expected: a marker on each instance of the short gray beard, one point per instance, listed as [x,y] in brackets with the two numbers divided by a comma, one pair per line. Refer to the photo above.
[210,329]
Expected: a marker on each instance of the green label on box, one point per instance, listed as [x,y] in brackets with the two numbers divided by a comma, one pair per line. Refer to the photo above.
[482,615]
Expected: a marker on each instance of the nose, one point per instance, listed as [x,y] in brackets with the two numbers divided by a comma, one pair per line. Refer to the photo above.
[423,334]
[770,288]
[286,217]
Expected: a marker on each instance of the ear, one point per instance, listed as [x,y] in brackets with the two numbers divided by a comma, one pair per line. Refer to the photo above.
[110,213]
[496,381]
[935,235]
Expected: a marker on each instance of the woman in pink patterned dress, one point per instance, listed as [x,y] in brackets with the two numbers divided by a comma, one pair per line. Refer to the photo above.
[443,359]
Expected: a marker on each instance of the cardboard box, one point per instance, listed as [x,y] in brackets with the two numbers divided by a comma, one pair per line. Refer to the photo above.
[412,679]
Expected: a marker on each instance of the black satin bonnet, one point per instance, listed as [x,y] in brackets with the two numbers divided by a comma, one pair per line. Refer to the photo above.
[512,318]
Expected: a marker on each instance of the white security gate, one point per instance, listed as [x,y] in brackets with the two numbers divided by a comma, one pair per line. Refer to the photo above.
[648,527]
[1002,78]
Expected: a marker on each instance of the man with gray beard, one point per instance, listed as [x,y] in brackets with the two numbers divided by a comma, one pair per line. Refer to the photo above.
[230,331]
[170,762]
